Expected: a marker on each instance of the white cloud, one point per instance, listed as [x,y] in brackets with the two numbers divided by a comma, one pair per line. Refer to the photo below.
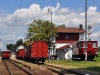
[92,8]
[14,24]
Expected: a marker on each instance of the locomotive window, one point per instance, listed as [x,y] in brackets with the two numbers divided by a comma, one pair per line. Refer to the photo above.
[83,44]
[80,44]
[77,45]
[94,45]
[74,46]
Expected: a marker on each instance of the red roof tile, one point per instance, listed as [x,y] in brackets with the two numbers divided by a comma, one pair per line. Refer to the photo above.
[70,30]
[63,47]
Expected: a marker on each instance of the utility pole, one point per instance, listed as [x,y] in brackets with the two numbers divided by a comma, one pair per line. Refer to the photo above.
[85,30]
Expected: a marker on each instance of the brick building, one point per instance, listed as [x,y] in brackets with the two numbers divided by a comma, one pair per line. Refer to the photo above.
[66,36]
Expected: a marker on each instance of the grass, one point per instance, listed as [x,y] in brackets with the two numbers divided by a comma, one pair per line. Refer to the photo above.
[89,65]
[20,65]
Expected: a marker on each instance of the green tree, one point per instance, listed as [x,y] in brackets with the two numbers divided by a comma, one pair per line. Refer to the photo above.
[41,30]
[11,47]
[19,42]
[62,25]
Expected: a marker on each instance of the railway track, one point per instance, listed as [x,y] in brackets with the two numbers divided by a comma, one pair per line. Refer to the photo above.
[55,70]
[49,69]
[61,71]
[34,68]
[13,69]
[4,69]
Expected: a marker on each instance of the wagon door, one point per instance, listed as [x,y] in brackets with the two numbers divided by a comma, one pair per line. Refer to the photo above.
[42,49]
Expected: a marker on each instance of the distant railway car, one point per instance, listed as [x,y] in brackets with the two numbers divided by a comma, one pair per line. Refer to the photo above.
[6,54]
[79,49]
[20,52]
[37,51]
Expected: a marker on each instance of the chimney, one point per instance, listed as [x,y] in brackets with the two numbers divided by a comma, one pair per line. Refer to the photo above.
[89,39]
[80,27]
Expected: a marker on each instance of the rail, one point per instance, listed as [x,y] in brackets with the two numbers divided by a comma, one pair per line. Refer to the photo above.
[8,68]
[21,68]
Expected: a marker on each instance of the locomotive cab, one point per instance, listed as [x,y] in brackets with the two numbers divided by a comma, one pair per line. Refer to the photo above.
[79,49]
[6,54]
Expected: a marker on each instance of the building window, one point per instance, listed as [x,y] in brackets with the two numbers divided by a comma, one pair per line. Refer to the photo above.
[67,37]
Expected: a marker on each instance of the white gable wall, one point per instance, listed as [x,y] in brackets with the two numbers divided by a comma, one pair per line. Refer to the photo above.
[81,36]
[65,54]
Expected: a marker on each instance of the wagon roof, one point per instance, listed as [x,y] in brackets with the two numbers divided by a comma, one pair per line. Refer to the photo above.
[20,47]
[5,50]
[37,41]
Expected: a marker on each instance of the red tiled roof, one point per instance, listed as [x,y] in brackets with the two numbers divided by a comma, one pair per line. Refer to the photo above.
[70,30]
[63,47]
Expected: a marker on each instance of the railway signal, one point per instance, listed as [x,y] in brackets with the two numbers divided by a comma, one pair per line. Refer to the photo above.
[89,29]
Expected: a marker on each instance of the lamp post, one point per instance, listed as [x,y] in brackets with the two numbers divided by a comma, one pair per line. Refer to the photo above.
[24,36]
[50,10]
[0,38]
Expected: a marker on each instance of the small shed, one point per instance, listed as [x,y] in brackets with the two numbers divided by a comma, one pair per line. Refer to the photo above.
[65,52]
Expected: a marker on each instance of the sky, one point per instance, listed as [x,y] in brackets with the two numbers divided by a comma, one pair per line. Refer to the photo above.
[15,15]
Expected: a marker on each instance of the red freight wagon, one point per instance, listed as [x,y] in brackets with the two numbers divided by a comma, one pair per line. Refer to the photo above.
[79,49]
[37,51]
[20,52]
[6,54]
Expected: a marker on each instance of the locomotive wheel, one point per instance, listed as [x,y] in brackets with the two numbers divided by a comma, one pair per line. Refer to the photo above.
[90,57]
[43,60]
[33,60]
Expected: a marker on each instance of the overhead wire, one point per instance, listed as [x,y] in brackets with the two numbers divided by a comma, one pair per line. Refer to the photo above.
[13,11]
[4,19]
[16,17]
[12,25]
